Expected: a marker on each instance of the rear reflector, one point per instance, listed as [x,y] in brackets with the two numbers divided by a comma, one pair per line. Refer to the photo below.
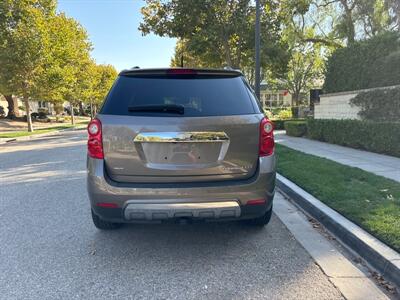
[107,205]
[256,202]
[181,72]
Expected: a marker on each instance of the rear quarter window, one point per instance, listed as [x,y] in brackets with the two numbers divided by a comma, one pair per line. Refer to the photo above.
[200,96]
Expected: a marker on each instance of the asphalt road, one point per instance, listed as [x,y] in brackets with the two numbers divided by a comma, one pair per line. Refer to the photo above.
[49,248]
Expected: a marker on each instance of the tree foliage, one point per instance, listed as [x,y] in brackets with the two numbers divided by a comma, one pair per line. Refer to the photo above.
[217,33]
[67,61]
[307,49]
[45,55]
[365,64]
[379,105]
[104,78]
[24,44]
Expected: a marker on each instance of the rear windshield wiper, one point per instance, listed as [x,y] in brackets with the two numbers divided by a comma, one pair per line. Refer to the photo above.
[167,108]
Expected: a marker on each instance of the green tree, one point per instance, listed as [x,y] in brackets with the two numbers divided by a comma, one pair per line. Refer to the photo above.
[24,42]
[67,62]
[104,78]
[217,33]
[85,91]
[355,19]
[305,71]
[189,58]
[308,45]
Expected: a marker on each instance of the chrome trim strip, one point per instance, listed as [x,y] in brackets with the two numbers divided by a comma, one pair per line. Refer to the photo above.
[181,137]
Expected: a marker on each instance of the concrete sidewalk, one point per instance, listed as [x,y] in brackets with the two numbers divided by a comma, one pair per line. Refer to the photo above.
[383,165]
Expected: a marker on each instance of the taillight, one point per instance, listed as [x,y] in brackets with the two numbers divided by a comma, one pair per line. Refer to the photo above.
[267,143]
[95,140]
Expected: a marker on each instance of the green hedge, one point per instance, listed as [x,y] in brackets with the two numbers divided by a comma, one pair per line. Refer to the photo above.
[366,64]
[280,124]
[296,128]
[379,105]
[380,137]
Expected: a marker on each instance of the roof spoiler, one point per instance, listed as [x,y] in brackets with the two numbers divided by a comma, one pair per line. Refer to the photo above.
[181,71]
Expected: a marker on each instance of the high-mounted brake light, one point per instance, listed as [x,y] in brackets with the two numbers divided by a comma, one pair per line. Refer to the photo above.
[181,72]
[95,140]
[267,143]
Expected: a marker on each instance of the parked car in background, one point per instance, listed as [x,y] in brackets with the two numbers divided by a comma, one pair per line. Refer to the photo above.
[180,144]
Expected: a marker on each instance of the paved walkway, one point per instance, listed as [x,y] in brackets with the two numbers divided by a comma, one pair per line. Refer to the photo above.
[383,165]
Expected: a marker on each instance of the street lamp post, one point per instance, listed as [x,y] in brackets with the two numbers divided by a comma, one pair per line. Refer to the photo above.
[257,52]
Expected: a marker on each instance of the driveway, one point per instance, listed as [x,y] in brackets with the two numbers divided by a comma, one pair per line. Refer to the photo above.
[50,249]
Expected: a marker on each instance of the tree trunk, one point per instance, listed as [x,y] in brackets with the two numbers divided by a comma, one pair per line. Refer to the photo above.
[81,110]
[295,107]
[11,106]
[348,17]
[227,51]
[91,110]
[72,114]
[350,30]
[28,114]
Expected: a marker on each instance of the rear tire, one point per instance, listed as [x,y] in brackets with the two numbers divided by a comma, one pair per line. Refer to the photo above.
[261,221]
[104,225]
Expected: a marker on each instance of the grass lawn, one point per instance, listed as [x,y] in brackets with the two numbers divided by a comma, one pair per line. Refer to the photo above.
[371,201]
[38,131]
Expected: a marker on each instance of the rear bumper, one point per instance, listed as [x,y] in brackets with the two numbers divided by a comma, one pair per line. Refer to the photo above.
[136,211]
[206,200]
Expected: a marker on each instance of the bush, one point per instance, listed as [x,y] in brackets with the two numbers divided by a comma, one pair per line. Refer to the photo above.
[296,128]
[379,105]
[268,114]
[285,114]
[280,124]
[278,113]
[380,137]
[42,115]
[366,64]
[43,110]
[58,108]
[34,115]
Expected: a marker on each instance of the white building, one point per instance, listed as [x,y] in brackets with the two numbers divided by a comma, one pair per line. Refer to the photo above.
[274,98]
[35,106]
[337,105]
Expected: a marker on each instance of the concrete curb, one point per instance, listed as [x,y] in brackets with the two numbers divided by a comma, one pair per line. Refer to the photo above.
[34,136]
[381,257]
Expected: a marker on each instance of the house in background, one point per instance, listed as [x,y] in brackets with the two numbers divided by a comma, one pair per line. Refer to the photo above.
[35,106]
[271,98]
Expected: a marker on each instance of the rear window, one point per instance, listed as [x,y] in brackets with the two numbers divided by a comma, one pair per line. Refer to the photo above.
[200,96]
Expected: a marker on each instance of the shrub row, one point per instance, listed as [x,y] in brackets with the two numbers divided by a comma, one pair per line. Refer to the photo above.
[380,137]
[280,124]
[379,105]
[296,128]
[365,64]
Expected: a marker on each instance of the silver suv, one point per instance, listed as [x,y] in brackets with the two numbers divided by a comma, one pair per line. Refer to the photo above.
[173,144]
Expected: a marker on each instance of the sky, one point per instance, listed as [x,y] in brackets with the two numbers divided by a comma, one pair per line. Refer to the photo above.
[112,26]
